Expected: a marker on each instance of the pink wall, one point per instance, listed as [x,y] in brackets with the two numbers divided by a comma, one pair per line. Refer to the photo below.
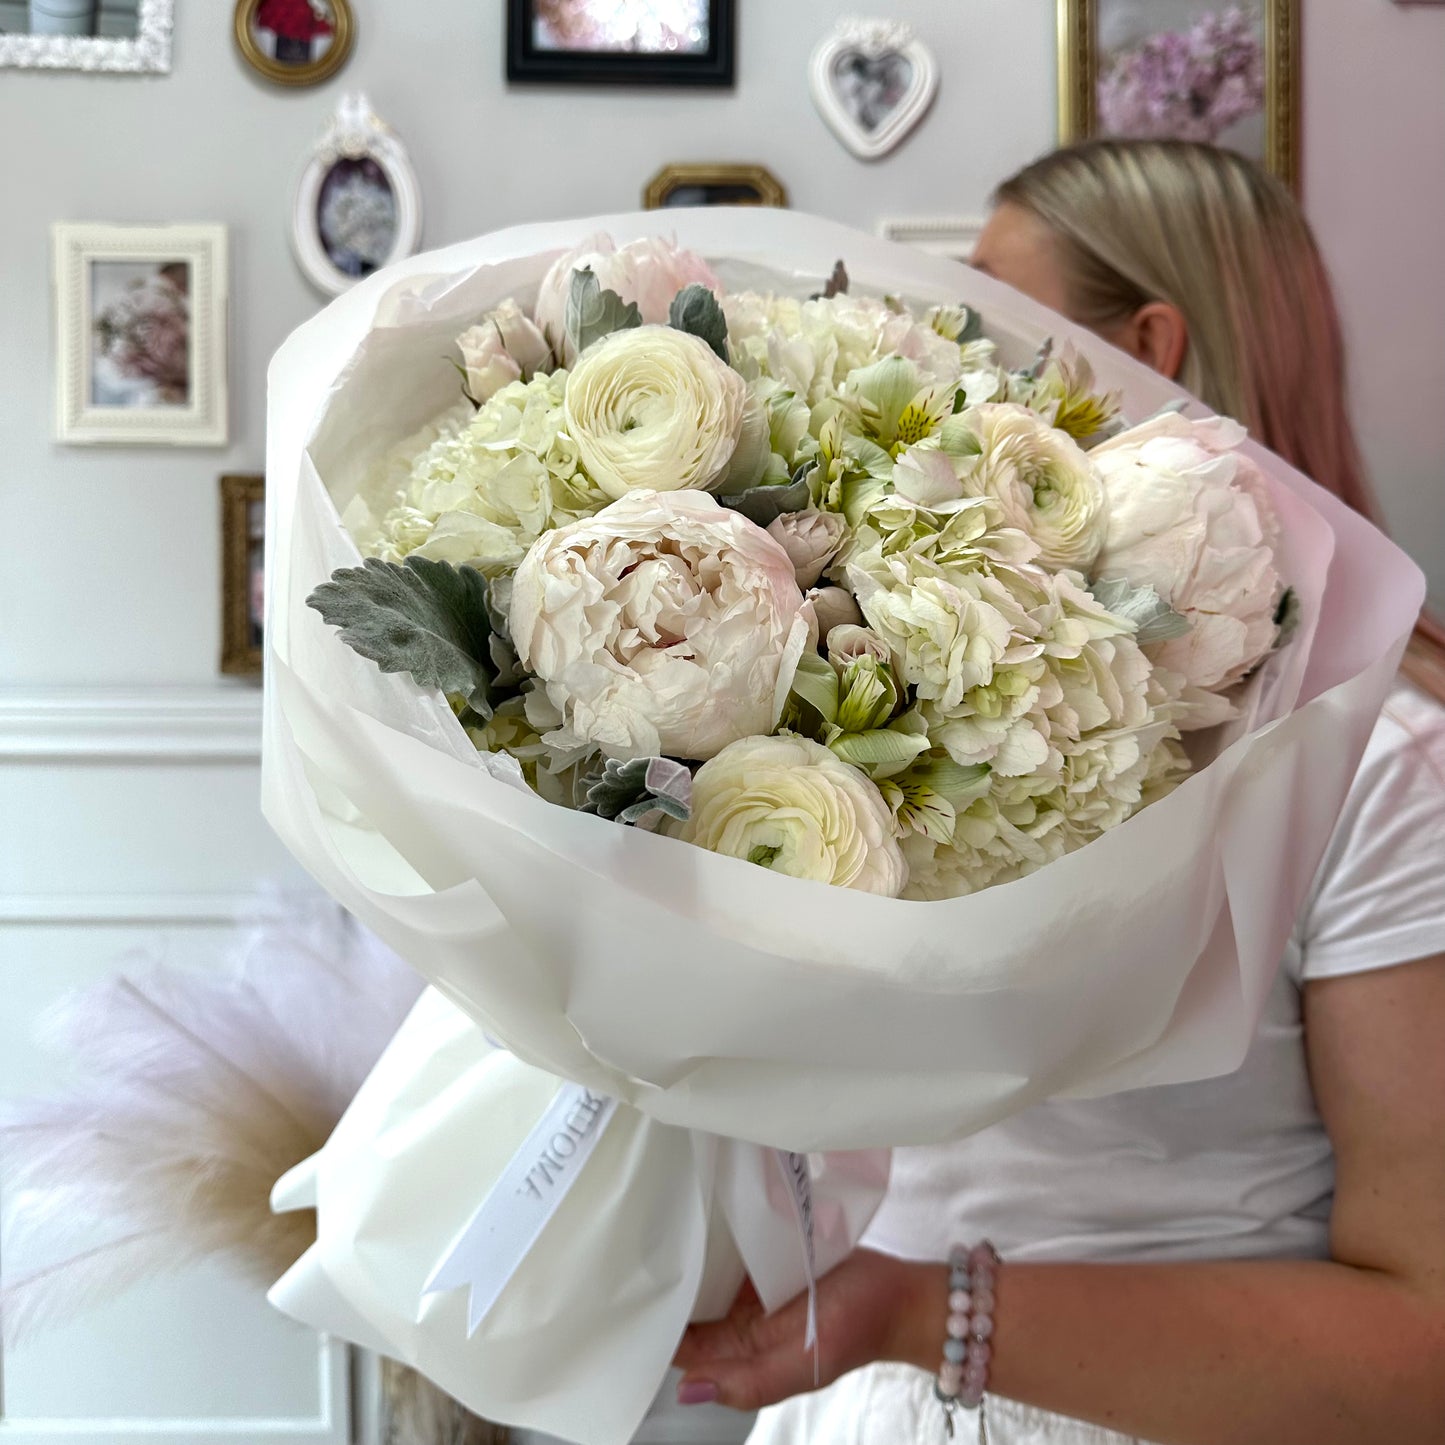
[1374,187]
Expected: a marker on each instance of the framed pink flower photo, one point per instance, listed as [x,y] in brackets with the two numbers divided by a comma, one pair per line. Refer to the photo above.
[1224,72]
[141,334]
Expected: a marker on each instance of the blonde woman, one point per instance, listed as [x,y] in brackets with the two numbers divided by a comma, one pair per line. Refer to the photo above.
[1252,1260]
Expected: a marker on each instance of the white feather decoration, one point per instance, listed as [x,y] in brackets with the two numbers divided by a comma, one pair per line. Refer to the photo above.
[197,1092]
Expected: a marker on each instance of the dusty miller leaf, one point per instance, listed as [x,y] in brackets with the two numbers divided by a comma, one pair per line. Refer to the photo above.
[627,792]
[427,618]
[1153,618]
[593,313]
[695,310]
[761,505]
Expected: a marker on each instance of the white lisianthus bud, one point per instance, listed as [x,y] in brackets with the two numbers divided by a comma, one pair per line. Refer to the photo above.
[504,347]
[811,539]
[666,625]
[653,409]
[834,607]
[792,805]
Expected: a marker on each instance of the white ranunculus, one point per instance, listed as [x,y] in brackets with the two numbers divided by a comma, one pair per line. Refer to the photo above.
[504,347]
[654,409]
[1189,517]
[792,805]
[811,538]
[665,625]
[1042,479]
[649,272]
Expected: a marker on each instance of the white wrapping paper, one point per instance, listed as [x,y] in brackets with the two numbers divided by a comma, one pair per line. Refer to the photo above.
[705,993]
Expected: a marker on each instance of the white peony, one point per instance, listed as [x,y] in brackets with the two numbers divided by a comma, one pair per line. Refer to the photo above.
[792,805]
[810,538]
[664,625]
[833,607]
[504,347]
[654,409]
[649,272]
[1040,477]
[1189,517]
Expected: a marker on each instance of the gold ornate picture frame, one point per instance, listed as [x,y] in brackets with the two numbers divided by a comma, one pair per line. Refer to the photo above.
[294,42]
[1083,64]
[243,554]
[711,184]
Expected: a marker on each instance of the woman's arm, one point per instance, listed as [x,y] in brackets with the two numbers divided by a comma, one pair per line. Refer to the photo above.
[1267,1353]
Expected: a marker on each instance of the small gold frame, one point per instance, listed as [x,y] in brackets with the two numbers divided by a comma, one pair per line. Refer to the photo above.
[1079,77]
[240,649]
[768,189]
[337,53]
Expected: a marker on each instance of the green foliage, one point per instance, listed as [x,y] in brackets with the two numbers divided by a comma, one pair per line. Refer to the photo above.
[593,313]
[695,310]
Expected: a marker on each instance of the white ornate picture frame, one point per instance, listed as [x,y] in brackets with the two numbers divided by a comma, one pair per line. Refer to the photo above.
[148,51]
[872,82]
[141,335]
[950,236]
[358,203]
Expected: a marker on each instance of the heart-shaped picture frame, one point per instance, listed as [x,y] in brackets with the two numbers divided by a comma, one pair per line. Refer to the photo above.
[873,82]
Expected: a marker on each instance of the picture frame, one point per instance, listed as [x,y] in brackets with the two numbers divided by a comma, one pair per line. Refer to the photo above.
[873,82]
[713,184]
[357,205]
[1273,133]
[141,335]
[295,42]
[951,236]
[91,35]
[243,555]
[549,42]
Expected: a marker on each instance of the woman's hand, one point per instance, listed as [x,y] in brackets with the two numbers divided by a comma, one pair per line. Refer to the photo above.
[871,1307]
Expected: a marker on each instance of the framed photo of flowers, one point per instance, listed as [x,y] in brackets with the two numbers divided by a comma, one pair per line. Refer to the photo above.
[243,573]
[294,42]
[621,42]
[1221,71]
[140,335]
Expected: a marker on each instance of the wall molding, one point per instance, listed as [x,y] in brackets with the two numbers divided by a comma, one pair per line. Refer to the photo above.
[132,725]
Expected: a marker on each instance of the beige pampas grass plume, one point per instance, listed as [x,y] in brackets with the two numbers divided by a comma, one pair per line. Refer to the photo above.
[195,1093]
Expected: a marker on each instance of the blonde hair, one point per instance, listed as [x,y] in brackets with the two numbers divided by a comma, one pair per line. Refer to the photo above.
[1221,239]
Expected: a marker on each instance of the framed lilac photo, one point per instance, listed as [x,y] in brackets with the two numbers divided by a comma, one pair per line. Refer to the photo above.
[1225,72]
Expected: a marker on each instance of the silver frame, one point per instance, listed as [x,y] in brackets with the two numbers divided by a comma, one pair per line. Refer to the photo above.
[149,52]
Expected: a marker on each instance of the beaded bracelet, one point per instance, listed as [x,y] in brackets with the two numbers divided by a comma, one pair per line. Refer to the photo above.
[963,1375]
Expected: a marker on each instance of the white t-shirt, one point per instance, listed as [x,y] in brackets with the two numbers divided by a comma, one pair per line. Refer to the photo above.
[1235,1167]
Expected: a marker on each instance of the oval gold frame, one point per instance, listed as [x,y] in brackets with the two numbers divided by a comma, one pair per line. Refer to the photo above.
[323,69]
[770,190]
[1078,76]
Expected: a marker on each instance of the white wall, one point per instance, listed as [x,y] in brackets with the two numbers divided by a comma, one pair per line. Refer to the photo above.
[108,592]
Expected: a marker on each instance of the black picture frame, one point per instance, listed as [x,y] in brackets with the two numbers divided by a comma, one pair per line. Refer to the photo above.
[527,64]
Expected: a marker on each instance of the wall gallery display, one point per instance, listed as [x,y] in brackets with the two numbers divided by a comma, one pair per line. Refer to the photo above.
[294,42]
[713,185]
[243,573]
[358,203]
[872,82]
[98,35]
[140,334]
[621,42]
[1202,70]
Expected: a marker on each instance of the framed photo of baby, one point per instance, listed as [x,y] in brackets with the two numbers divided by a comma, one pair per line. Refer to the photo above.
[1225,72]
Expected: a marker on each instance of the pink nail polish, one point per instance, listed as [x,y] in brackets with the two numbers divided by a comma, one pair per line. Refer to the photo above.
[696,1392]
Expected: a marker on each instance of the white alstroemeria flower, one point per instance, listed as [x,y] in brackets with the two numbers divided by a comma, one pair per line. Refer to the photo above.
[650,272]
[792,805]
[666,625]
[1041,478]
[654,409]
[1189,516]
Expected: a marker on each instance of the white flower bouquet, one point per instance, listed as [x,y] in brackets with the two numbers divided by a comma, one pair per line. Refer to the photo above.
[700,594]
